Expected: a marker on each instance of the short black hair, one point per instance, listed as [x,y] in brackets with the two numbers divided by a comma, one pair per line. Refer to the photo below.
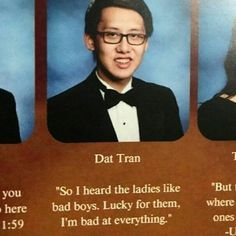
[93,13]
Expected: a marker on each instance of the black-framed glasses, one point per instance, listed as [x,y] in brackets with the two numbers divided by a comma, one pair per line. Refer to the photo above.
[115,38]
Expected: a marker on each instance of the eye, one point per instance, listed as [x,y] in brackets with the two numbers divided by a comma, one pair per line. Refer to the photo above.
[134,36]
[111,34]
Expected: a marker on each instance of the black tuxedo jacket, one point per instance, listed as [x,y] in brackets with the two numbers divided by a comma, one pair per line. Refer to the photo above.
[79,114]
[9,127]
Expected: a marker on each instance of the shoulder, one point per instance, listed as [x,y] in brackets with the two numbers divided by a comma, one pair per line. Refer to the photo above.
[215,118]
[75,99]
[72,94]
[5,93]
[153,90]
[216,109]
[150,86]
[213,105]
[6,96]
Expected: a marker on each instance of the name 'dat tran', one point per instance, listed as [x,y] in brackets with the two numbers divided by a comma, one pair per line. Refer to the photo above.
[119,158]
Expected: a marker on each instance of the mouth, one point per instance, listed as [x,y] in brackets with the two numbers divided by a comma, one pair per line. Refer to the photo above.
[123,62]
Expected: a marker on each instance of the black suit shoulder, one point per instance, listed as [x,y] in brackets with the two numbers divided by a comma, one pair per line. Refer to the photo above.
[9,127]
[216,119]
[162,109]
[72,112]
[150,89]
[6,95]
[158,95]
[75,92]
[71,102]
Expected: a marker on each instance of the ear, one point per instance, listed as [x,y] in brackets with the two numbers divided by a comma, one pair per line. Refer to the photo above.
[89,42]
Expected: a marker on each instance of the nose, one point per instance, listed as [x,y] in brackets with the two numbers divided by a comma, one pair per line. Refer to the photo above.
[124,46]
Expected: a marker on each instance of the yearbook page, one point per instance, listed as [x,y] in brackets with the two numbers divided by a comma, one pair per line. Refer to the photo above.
[118,117]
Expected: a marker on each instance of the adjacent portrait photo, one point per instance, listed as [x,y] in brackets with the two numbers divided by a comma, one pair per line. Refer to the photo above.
[16,70]
[118,70]
[217,69]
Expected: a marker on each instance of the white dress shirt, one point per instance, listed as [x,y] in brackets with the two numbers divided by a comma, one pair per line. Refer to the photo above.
[124,117]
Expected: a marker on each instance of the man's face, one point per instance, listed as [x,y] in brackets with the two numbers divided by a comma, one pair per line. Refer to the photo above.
[117,62]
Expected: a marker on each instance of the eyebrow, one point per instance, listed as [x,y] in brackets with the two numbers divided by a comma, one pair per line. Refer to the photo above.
[111,28]
[130,30]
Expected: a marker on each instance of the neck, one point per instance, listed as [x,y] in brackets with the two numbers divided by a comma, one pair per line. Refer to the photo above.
[116,83]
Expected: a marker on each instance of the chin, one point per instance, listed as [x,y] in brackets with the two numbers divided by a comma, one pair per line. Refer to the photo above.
[116,74]
[123,75]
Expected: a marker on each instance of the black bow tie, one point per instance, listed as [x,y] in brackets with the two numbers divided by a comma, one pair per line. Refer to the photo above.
[112,97]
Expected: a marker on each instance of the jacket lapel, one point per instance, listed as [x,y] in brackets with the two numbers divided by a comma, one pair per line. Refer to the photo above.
[101,123]
[150,115]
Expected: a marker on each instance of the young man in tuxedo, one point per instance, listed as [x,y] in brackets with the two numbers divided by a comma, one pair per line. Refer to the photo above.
[111,104]
[9,127]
